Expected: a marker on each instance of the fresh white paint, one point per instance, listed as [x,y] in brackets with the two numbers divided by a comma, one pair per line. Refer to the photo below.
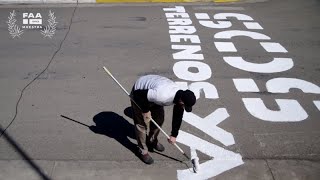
[211,24]
[177,15]
[222,161]
[192,68]
[185,38]
[317,103]
[188,52]
[179,9]
[241,17]
[182,29]
[202,16]
[273,47]
[233,33]
[225,46]
[218,25]
[283,85]
[209,90]
[245,85]
[274,66]
[290,110]
[252,25]
[181,70]
[182,22]
[209,126]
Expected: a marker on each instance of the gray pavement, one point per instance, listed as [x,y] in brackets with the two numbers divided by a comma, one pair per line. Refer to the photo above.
[252,169]
[133,40]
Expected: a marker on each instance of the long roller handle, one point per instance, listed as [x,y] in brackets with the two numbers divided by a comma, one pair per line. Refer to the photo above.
[140,108]
[116,80]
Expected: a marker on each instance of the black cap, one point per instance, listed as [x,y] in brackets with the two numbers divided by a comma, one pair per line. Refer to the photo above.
[189,99]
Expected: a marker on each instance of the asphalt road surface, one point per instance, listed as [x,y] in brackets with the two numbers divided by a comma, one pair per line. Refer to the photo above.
[253,66]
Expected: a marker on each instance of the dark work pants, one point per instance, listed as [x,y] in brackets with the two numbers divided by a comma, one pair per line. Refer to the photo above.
[142,128]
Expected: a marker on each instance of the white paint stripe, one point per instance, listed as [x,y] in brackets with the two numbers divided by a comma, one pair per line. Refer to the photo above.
[202,16]
[246,85]
[177,15]
[182,29]
[209,124]
[232,33]
[182,22]
[176,9]
[252,25]
[317,103]
[241,17]
[209,169]
[209,90]
[290,110]
[273,47]
[283,85]
[225,46]
[218,25]
[277,65]
[185,38]
[223,159]
[187,52]
[181,70]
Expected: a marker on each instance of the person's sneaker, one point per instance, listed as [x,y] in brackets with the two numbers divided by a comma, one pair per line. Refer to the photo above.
[146,158]
[157,146]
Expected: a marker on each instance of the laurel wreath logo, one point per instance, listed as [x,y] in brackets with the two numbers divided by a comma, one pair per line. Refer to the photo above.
[50,29]
[14,29]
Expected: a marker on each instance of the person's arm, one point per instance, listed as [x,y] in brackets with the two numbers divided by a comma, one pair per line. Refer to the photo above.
[176,120]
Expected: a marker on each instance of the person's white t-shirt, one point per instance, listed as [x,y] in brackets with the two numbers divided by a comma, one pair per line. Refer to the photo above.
[161,90]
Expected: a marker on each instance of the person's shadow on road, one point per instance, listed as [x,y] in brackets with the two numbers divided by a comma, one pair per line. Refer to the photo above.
[115,126]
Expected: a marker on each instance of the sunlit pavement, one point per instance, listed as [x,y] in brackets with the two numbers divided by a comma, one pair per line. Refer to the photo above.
[240,59]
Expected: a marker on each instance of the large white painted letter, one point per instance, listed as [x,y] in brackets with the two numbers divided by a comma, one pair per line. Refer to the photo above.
[209,124]
[188,52]
[276,65]
[210,24]
[181,70]
[223,160]
[283,85]
[233,33]
[179,9]
[209,90]
[182,29]
[290,110]
[240,17]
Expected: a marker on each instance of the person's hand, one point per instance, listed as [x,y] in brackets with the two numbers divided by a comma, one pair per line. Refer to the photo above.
[172,140]
[146,117]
